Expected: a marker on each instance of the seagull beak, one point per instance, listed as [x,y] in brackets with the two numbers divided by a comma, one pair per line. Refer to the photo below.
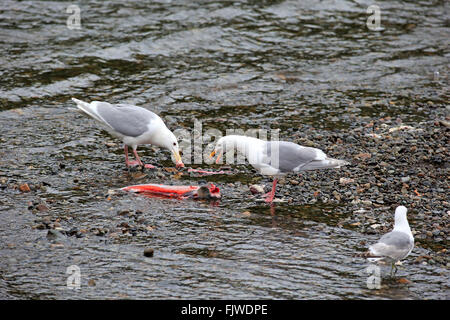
[218,158]
[218,155]
[179,163]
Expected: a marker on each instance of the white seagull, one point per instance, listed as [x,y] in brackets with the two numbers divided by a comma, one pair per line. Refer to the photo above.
[275,158]
[395,245]
[134,126]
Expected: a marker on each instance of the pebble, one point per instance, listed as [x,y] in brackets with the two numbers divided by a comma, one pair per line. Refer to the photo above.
[148,252]
[256,189]
[24,187]
[39,226]
[436,232]
[54,234]
[41,207]
[345,181]
[336,195]
[403,281]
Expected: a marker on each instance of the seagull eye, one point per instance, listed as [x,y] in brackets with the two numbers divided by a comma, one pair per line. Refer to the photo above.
[174,143]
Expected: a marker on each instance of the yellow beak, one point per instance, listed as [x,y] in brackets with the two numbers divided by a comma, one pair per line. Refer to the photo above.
[178,162]
[212,155]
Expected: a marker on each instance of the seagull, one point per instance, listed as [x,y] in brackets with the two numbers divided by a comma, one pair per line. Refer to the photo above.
[134,126]
[395,245]
[275,158]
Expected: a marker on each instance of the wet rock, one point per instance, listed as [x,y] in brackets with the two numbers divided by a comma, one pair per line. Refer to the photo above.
[444,123]
[403,281]
[123,212]
[112,192]
[148,252]
[75,232]
[41,207]
[363,156]
[24,187]
[421,258]
[54,235]
[99,231]
[124,225]
[256,189]
[345,181]
[39,226]
[405,179]
[337,195]
[436,232]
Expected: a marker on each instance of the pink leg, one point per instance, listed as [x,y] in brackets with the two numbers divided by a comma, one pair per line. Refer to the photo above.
[127,162]
[269,198]
[147,166]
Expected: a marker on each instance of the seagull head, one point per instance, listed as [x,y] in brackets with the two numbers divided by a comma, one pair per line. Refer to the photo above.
[220,148]
[401,222]
[167,139]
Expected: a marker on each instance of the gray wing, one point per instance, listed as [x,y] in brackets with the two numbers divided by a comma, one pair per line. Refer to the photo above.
[395,245]
[126,119]
[397,239]
[290,155]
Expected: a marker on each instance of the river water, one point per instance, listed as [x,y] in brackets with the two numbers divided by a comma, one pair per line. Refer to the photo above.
[227,64]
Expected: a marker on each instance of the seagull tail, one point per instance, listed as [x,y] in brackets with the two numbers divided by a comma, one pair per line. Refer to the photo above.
[374,259]
[86,108]
[337,163]
[324,164]
[372,254]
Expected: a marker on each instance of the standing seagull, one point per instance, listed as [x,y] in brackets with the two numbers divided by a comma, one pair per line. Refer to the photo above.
[276,158]
[395,245]
[134,126]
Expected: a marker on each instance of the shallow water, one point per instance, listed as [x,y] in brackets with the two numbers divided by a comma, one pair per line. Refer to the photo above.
[248,64]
